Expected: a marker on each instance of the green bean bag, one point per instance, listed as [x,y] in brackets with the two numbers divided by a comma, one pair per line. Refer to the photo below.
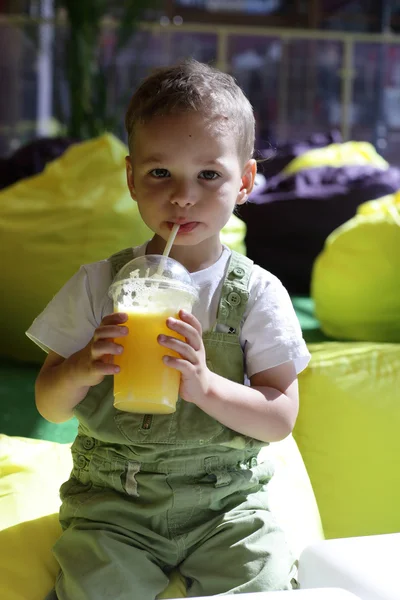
[348,434]
[78,210]
[31,472]
[337,155]
[356,279]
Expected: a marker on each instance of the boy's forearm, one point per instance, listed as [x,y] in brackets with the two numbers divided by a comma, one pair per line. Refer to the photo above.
[57,392]
[262,413]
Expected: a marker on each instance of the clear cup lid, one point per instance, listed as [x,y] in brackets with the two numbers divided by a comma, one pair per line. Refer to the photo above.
[154,270]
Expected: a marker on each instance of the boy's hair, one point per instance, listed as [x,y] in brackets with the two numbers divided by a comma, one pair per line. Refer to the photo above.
[193,86]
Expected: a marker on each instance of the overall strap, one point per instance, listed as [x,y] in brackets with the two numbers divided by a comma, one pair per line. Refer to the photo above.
[119,260]
[235,292]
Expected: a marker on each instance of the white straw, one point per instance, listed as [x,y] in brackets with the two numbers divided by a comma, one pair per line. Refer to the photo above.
[167,250]
[171,239]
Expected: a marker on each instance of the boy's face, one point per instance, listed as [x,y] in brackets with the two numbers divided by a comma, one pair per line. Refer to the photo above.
[186,169]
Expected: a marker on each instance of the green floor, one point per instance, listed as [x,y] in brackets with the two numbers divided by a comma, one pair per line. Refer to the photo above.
[18,415]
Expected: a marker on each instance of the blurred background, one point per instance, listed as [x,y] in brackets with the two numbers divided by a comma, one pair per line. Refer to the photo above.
[68,68]
[324,79]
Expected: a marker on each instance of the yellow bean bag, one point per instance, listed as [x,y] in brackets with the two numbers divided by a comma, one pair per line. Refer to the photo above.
[31,472]
[77,211]
[348,434]
[356,279]
[337,155]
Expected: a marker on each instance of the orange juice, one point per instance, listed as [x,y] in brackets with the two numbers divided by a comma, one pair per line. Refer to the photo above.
[145,384]
[149,289]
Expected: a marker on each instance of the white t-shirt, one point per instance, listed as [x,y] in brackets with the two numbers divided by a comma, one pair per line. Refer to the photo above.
[270,333]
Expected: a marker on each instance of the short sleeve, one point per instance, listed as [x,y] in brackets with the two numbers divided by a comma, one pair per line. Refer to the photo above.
[271,333]
[67,323]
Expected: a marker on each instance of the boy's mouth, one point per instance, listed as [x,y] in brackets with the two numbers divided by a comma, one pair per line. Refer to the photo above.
[183,227]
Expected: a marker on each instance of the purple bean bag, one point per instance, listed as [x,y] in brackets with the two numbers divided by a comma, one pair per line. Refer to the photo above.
[31,159]
[277,158]
[289,217]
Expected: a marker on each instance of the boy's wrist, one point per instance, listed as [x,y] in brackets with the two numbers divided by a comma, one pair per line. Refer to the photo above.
[210,393]
[75,374]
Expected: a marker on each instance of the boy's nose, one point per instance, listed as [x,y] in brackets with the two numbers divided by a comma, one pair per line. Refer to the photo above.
[183,196]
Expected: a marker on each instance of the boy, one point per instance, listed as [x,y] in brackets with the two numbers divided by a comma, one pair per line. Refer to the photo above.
[149,494]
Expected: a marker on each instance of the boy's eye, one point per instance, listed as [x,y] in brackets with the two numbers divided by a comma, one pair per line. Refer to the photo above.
[159,173]
[210,175]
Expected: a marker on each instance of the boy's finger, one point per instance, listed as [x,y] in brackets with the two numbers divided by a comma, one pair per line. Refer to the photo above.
[187,331]
[110,331]
[184,350]
[102,347]
[191,319]
[105,368]
[180,364]
[114,318]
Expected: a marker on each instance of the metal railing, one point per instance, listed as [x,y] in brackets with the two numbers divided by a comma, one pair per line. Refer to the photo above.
[299,81]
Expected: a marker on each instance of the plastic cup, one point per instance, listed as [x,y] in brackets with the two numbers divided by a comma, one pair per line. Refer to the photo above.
[149,289]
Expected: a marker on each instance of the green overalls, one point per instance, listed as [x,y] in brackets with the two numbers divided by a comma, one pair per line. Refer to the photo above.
[149,493]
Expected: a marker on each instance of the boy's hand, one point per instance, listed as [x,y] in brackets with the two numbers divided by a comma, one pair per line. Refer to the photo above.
[95,360]
[195,374]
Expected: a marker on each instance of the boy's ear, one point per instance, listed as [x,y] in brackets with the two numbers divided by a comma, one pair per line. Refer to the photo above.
[248,176]
[129,177]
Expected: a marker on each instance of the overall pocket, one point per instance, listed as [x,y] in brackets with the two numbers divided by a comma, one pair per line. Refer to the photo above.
[109,470]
